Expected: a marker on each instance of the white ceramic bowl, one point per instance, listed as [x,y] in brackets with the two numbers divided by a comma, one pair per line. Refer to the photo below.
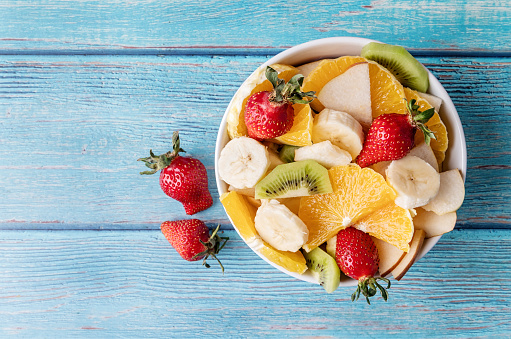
[456,156]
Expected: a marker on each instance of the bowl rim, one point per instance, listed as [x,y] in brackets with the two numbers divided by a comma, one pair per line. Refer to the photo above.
[307,52]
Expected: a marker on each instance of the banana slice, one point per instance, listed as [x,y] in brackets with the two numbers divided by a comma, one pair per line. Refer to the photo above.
[325,153]
[414,180]
[280,227]
[243,162]
[340,128]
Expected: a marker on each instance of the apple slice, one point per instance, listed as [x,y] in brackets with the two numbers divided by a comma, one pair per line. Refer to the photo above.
[389,255]
[432,223]
[350,92]
[305,69]
[425,152]
[451,193]
[408,260]
[433,100]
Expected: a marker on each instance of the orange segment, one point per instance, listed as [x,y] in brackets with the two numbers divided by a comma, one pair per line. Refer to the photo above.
[435,124]
[357,192]
[300,133]
[392,224]
[387,93]
[324,72]
[242,214]
[256,82]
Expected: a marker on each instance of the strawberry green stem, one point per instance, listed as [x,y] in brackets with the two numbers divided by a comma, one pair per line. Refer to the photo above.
[159,162]
[289,92]
[214,244]
[369,287]
[420,118]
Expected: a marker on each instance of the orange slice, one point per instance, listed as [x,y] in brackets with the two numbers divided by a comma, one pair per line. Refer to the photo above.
[324,72]
[300,132]
[387,93]
[435,124]
[242,214]
[392,224]
[256,82]
[357,192]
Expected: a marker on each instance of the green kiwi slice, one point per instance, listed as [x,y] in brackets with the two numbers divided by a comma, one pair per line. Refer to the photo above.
[287,153]
[296,179]
[410,72]
[324,269]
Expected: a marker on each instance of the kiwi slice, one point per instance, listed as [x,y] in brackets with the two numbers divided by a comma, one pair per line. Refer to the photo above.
[323,268]
[287,153]
[410,72]
[296,179]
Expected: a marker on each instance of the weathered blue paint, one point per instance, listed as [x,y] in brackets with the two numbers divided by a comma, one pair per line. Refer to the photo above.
[133,284]
[87,87]
[77,125]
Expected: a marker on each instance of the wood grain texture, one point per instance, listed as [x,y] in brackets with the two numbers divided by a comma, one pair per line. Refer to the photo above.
[72,127]
[89,25]
[133,284]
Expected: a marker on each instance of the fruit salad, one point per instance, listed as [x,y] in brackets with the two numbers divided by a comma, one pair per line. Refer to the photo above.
[334,167]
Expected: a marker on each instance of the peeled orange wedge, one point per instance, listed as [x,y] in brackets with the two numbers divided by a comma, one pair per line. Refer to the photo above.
[325,71]
[242,214]
[300,132]
[256,82]
[357,192]
[387,93]
[391,223]
[435,124]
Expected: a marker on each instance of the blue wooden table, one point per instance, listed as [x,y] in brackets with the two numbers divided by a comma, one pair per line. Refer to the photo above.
[87,87]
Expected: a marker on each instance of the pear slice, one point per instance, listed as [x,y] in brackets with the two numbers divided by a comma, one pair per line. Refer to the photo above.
[425,152]
[450,195]
[389,255]
[408,260]
[432,223]
[433,100]
[307,68]
[350,92]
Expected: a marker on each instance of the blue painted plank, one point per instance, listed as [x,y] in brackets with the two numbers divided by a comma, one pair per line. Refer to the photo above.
[133,284]
[39,25]
[72,127]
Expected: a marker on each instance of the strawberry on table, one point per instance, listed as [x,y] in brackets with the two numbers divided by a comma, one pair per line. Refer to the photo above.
[184,179]
[391,136]
[191,239]
[270,114]
[357,257]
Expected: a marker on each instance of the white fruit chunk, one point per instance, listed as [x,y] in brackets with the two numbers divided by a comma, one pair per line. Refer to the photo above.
[434,224]
[280,227]
[425,152]
[340,128]
[249,192]
[451,193]
[243,162]
[350,92]
[381,167]
[408,260]
[414,181]
[325,153]
[307,68]
[389,255]
[433,100]
[331,245]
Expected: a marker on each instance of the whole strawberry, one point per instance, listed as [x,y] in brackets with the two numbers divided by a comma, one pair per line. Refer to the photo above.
[357,257]
[184,179]
[391,136]
[270,114]
[191,239]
